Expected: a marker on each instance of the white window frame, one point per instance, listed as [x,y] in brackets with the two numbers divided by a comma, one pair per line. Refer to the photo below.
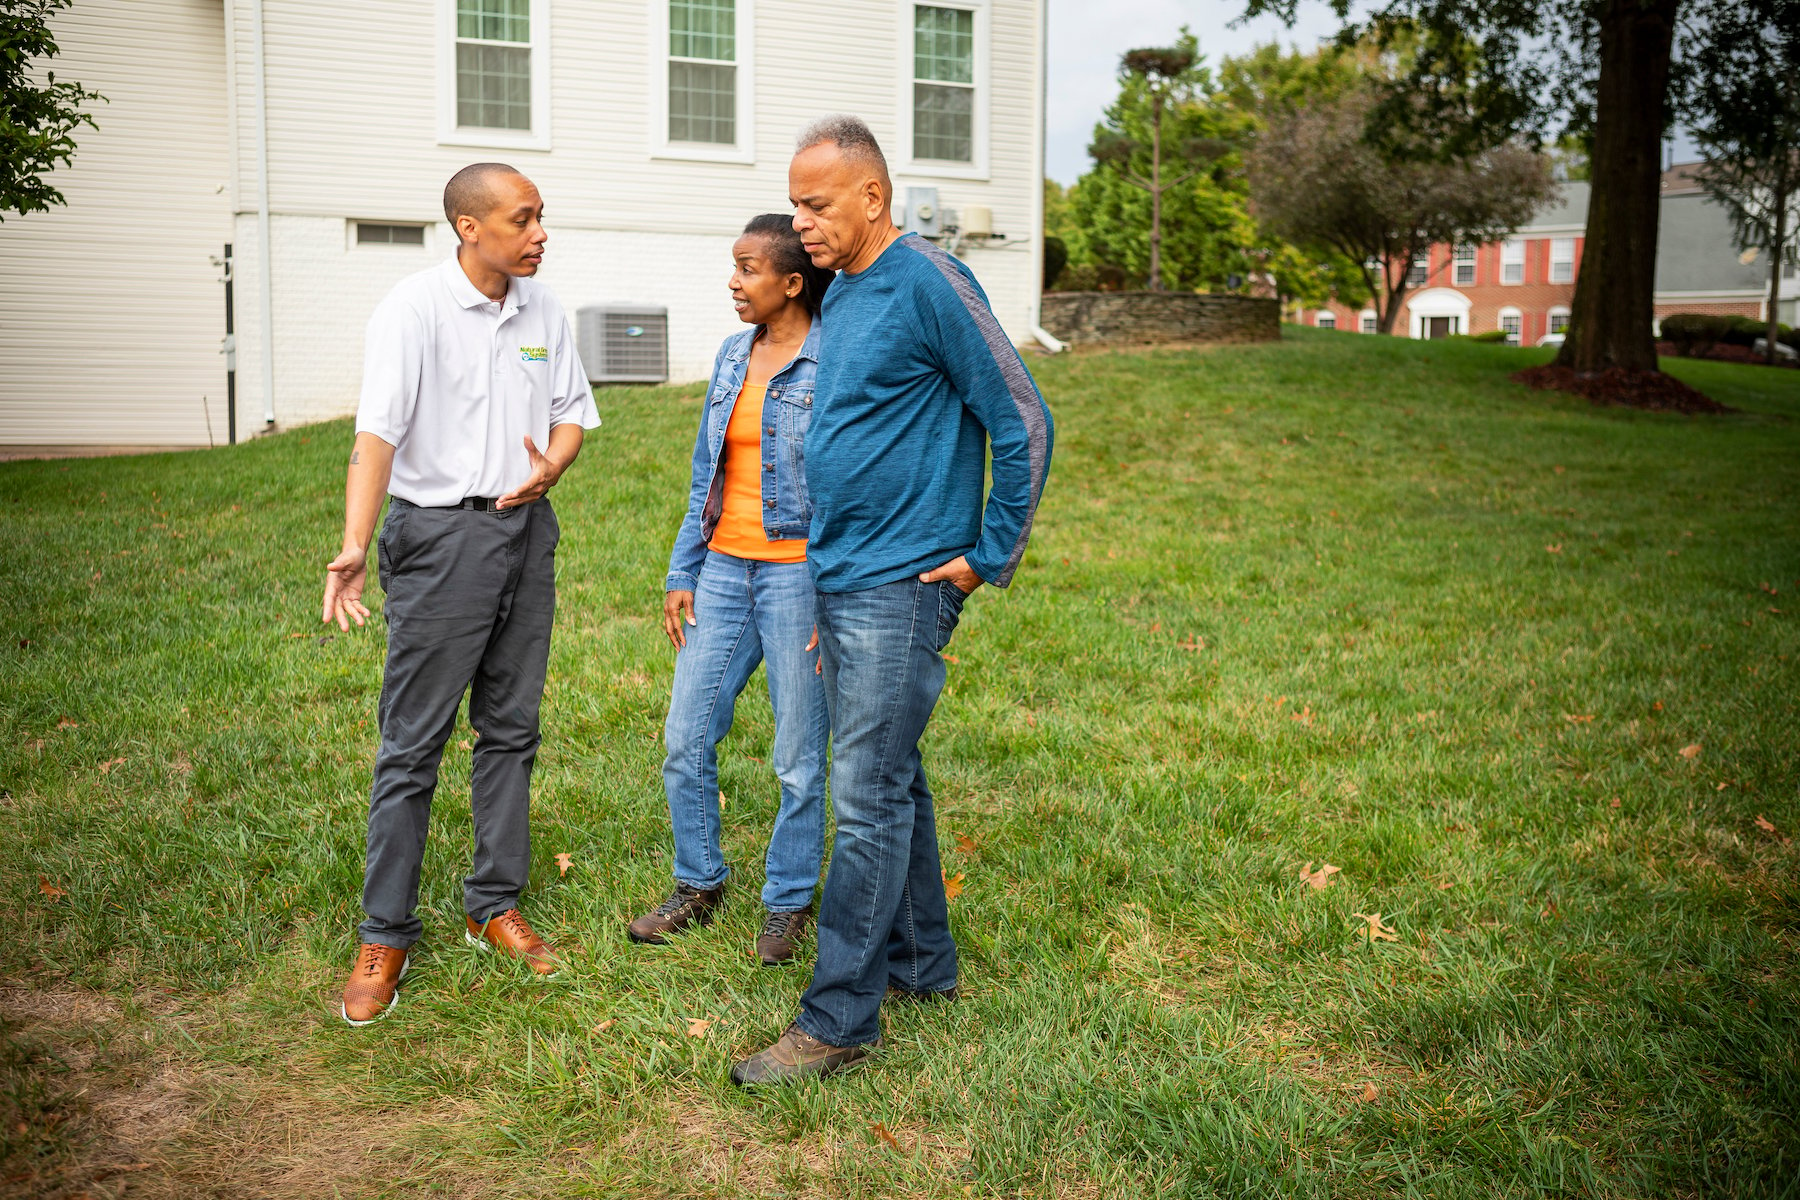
[452,134]
[903,162]
[1500,323]
[1367,321]
[1420,266]
[744,43]
[1324,319]
[1507,259]
[1567,264]
[1457,263]
[1555,311]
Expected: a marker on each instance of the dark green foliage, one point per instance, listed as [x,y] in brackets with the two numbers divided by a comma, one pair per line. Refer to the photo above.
[1056,257]
[38,118]
[1492,336]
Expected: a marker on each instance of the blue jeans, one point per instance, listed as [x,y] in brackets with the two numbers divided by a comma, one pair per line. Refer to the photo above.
[748,612]
[883,919]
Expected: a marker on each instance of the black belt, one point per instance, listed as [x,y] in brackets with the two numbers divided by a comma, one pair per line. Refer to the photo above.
[478,503]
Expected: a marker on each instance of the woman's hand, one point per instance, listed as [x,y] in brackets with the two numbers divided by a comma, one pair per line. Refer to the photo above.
[678,606]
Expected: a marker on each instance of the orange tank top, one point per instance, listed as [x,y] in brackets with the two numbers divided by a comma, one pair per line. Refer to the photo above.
[740,531]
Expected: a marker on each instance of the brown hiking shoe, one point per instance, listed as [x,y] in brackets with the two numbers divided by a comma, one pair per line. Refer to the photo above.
[797,1055]
[781,934]
[685,906]
[511,934]
[374,987]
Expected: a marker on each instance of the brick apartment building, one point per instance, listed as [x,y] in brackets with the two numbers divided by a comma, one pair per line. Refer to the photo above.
[1524,284]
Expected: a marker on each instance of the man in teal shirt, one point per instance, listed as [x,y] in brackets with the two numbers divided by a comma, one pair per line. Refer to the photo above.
[916,382]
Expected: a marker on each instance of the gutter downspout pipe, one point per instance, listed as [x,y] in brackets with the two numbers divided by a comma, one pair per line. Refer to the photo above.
[1044,337]
[265,252]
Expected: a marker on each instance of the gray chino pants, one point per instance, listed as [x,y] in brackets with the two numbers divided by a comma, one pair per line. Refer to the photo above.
[470,600]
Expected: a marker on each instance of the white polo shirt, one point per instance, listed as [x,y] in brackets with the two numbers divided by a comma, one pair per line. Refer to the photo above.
[455,382]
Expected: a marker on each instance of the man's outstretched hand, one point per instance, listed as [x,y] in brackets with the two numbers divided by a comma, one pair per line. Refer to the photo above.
[545,471]
[958,572]
[345,577]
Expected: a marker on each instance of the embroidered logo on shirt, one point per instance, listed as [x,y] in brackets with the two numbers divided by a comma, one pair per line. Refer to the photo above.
[534,354]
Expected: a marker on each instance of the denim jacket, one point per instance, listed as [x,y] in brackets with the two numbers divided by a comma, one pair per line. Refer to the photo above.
[787,411]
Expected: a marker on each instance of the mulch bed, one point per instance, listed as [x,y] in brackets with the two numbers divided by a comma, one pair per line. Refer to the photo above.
[1623,386]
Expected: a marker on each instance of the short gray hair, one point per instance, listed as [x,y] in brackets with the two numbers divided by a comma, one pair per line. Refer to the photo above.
[849,134]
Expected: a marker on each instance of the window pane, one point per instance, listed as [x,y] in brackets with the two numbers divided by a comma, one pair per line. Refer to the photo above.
[1559,322]
[702,103]
[703,29]
[493,86]
[943,122]
[944,44]
[494,20]
[1368,325]
[1326,321]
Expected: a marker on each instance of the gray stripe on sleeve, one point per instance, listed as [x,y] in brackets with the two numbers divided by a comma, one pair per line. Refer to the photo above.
[1018,384]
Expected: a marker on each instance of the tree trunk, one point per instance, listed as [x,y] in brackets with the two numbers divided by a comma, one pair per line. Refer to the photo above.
[1389,312]
[1781,207]
[1610,318]
[1155,281]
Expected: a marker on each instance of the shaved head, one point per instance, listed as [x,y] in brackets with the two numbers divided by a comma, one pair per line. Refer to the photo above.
[471,191]
[854,141]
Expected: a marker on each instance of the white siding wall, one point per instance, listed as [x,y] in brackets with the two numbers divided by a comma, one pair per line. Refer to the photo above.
[352,101]
[112,313]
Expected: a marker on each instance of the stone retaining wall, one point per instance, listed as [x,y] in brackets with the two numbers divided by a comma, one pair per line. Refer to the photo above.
[1151,318]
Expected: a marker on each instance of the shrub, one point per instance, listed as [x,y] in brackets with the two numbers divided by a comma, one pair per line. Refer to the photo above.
[1094,277]
[1791,338]
[1491,336]
[1695,332]
[1056,257]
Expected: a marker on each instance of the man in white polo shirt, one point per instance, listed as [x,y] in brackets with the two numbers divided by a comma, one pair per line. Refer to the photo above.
[468,370]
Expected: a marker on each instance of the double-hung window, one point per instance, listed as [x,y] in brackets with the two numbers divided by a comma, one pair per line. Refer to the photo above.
[1465,265]
[1512,323]
[944,108]
[1562,260]
[703,89]
[1368,322]
[1421,270]
[1326,320]
[1512,261]
[493,73]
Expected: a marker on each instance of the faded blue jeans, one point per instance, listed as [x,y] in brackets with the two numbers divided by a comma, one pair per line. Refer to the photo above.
[748,612]
[883,919]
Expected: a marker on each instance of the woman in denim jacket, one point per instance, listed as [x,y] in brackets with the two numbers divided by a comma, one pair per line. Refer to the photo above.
[738,593]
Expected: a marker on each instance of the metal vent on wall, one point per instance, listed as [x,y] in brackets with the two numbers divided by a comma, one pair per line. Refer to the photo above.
[623,343]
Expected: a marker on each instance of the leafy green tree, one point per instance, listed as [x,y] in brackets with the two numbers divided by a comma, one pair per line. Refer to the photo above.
[1486,71]
[38,118]
[1751,143]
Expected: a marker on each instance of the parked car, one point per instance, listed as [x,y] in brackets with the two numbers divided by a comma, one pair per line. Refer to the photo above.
[1551,339]
[1760,348]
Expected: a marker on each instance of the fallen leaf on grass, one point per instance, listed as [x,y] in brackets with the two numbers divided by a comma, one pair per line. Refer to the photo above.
[1375,929]
[881,1131]
[1304,716]
[106,768]
[1769,588]
[1692,751]
[952,659]
[1320,878]
[1763,823]
[50,889]
[292,636]
[1656,706]
[1369,1093]
[1615,802]
[563,863]
[1194,642]
[65,723]
[953,884]
[605,1025]
[723,803]
[698,1026]
[1556,549]
[1578,718]
[1156,627]
[965,844]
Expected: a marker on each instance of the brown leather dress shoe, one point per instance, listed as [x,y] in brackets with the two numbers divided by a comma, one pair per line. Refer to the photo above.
[798,1055]
[685,906]
[374,987]
[511,934]
[780,936]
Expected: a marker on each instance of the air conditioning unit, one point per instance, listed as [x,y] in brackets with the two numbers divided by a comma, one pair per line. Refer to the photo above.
[623,343]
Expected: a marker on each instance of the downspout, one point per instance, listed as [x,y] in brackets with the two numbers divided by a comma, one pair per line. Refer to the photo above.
[265,268]
[1043,336]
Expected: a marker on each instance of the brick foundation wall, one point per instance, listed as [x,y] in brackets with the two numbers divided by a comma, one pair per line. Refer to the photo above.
[1733,308]
[1152,318]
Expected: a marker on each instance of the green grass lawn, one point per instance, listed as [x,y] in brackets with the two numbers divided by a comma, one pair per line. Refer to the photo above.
[1525,669]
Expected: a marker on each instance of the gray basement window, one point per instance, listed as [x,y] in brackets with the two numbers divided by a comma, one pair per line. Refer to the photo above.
[371,234]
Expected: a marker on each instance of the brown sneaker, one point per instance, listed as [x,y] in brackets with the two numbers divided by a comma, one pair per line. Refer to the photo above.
[685,906]
[374,987]
[797,1055]
[511,934]
[781,934]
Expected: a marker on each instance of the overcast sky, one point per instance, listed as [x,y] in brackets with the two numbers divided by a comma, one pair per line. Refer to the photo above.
[1088,36]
